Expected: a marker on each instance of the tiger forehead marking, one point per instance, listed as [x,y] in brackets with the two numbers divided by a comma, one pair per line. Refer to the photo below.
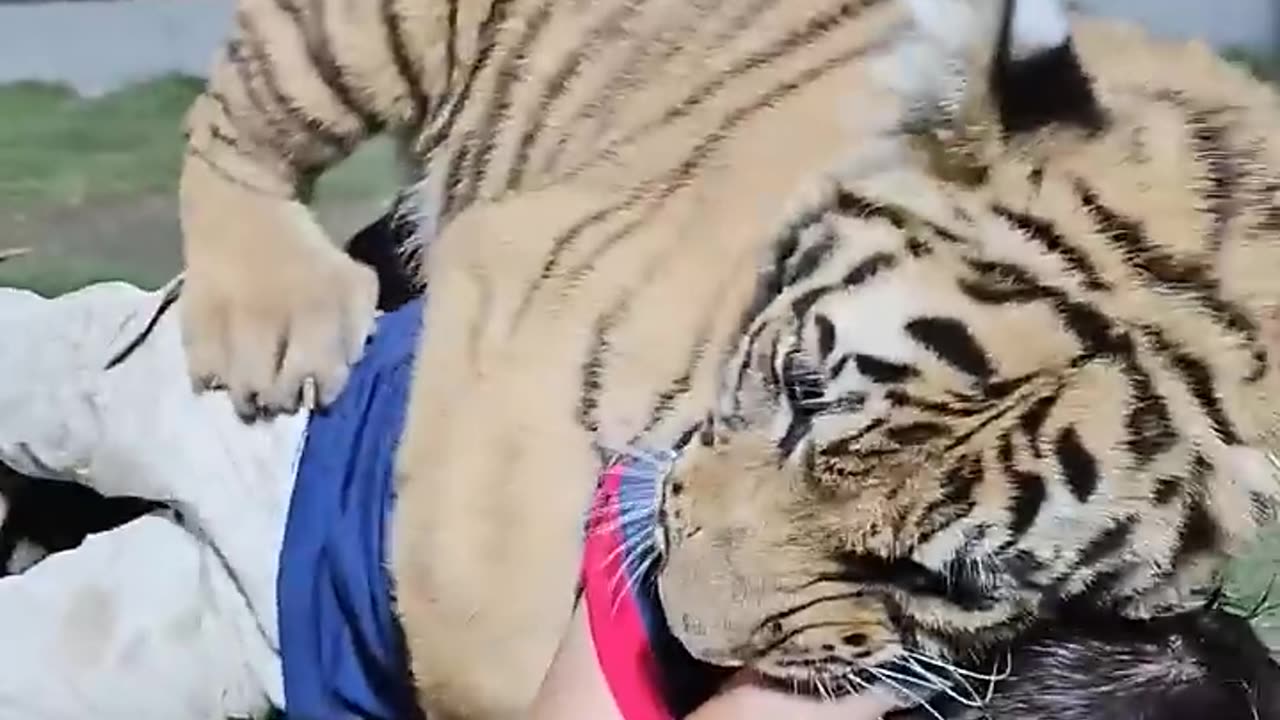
[992,376]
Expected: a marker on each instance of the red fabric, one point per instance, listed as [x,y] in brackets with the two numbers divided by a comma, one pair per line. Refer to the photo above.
[622,643]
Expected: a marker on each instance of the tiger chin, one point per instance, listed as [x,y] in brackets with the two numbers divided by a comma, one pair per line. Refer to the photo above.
[1017,356]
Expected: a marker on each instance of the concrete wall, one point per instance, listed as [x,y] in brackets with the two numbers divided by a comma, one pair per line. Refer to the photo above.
[96,45]
[1253,24]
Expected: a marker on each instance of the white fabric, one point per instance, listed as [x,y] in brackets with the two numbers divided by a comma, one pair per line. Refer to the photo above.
[138,429]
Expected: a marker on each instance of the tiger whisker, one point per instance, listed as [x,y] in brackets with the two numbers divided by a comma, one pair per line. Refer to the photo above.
[932,684]
[625,548]
[949,668]
[919,700]
[621,514]
[1008,669]
[632,508]
[815,679]
[625,571]
[1263,601]
[625,516]
[985,677]
[943,686]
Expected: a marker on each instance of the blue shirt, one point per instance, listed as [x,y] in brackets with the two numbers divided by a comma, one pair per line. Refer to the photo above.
[341,645]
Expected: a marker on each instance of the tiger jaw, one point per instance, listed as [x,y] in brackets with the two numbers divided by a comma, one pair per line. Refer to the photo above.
[742,592]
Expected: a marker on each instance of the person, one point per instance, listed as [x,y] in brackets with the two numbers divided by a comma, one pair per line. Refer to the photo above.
[180,613]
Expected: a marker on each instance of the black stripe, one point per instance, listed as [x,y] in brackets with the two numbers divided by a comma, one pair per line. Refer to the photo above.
[953,408]
[561,244]
[804,302]
[679,386]
[913,434]
[866,269]
[1262,508]
[509,74]
[231,177]
[884,372]
[241,64]
[265,70]
[1149,426]
[1109,542]
[679,177]
[1000,282]
[851,204]
[1199,381]
[958,483]
[800,425]
[315,37]
[769,285]
[1166,490]
[1032,420]
[812,257]
[813,31]
[627,75]
[1169,273]
[1224,174]
[745,365]
[950,340]
[826,331]
[771,623]
[406,63]
[451,42]
[1028,489]
[1079,466]
[592,370]
[1197,535]
[846,445]
[1169,488]
[1044,233]
[562,80]
[487,39]
[221,102]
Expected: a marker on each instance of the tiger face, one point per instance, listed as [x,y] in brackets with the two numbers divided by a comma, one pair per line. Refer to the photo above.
[978,388]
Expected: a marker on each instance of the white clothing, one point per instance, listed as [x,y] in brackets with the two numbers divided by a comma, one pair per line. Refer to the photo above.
[164,619]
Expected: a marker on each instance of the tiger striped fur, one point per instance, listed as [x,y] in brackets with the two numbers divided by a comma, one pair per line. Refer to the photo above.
[1002,365]
[603,178]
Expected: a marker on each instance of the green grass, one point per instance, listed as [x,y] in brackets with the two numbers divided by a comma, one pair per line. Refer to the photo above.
[59,149]
[90,183]
[1264,65]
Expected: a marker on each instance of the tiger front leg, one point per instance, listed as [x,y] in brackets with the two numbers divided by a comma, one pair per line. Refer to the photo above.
[270,302]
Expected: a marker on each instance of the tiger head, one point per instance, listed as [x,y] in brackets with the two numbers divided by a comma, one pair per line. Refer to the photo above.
[818,527]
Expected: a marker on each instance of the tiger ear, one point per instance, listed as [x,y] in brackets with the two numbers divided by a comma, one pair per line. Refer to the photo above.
[1009,65]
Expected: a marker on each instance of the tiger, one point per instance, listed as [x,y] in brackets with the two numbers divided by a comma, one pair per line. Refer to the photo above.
[598,182]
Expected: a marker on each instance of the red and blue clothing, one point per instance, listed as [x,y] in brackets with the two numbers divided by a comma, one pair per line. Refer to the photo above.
[649,673]
[341,646]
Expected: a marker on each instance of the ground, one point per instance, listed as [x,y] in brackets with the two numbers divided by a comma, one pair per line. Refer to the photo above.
[88,185]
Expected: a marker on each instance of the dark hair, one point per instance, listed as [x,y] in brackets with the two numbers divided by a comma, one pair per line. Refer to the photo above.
[1206,664]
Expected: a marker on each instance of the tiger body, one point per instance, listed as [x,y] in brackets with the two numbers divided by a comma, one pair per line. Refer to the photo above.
[600,225]
[995,375]
[558,178]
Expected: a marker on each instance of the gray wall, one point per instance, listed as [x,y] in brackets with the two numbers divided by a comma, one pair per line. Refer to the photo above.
[98,45]
[1253,24]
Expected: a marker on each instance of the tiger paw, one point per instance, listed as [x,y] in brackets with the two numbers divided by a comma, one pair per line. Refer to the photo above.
[265,333]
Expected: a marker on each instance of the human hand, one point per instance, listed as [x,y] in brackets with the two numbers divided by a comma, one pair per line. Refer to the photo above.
[743,698]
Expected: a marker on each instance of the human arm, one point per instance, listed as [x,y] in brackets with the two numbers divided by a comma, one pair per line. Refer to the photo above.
[575,689]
